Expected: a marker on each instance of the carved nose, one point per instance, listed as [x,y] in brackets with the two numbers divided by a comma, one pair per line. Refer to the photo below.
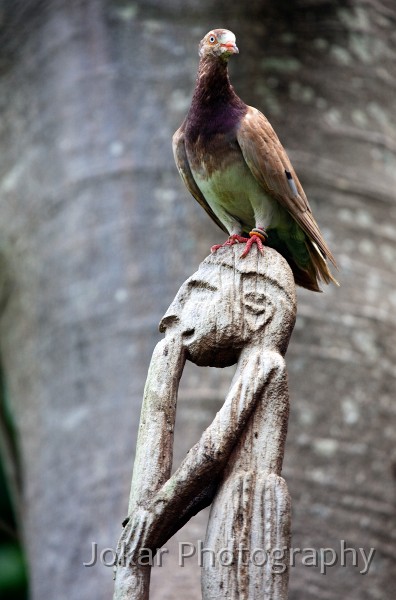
[168,321]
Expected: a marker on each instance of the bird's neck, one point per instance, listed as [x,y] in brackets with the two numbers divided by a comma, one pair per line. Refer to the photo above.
[215,107]
[213,85]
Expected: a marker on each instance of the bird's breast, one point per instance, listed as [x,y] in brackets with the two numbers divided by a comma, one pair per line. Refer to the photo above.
[225,187]
[228,183]
[210,153]
[225,180]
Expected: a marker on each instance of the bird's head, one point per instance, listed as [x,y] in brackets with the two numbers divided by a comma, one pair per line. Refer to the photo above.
[218,43]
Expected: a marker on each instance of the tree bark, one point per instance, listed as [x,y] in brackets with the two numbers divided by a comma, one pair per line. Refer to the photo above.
[90,94]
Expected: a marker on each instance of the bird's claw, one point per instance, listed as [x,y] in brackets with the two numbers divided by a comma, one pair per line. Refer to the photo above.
[254,239]
[233,239]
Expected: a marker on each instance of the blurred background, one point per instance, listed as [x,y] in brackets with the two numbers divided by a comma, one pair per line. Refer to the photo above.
[97,232]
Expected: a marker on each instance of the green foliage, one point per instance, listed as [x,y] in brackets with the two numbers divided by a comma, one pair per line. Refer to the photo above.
[13,572]
[13,577]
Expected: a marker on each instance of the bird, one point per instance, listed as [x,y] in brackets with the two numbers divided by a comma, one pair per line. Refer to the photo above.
[232,162]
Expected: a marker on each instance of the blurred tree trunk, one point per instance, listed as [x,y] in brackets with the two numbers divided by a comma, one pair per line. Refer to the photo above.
[90,94]
[329,70]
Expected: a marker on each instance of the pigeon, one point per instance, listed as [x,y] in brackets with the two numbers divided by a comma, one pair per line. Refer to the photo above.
[234,165]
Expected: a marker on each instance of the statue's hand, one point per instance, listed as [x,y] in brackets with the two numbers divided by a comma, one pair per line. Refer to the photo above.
[134,545]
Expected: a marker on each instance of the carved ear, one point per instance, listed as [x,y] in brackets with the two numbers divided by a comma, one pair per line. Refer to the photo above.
[257,303]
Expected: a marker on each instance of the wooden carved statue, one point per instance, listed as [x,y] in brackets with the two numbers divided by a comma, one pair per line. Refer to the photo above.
[231,310]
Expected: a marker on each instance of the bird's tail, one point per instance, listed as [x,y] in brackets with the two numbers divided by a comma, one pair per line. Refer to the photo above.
[319,264]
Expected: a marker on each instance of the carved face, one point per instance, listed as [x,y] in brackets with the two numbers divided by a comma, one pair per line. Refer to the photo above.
[217,312]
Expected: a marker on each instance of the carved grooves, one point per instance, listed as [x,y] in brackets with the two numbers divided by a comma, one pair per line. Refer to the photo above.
[256,536]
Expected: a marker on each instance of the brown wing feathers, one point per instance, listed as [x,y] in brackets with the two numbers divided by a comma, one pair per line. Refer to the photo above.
[270,165]
[181,160]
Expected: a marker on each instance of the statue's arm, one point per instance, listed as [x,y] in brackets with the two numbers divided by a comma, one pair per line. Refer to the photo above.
[154,448]
[194,483]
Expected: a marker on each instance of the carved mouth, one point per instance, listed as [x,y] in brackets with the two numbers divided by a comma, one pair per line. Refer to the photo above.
[188,333]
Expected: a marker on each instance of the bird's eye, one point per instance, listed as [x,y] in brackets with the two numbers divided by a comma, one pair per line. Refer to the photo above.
[212,39]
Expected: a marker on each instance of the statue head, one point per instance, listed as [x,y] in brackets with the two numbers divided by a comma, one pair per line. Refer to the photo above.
[231,303]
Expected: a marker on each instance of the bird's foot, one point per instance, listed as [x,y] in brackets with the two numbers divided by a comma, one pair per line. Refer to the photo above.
[233,239]
[257,236]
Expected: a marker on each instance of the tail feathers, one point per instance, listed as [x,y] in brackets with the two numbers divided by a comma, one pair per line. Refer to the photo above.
[319,264]
[305,278]
[314,270]
[306,260]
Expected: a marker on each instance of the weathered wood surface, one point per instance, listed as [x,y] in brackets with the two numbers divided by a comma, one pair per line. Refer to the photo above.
[231,310]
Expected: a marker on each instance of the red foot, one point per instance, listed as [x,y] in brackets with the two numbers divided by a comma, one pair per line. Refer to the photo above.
[233,239]
[254,239]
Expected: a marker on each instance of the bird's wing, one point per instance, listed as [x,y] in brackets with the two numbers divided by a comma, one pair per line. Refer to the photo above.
[181,160]
[270,165]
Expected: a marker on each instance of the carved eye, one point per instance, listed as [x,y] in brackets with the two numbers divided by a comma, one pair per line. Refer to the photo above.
[212,39]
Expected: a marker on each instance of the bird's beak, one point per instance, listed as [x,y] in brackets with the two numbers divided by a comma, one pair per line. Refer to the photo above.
[230,47]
